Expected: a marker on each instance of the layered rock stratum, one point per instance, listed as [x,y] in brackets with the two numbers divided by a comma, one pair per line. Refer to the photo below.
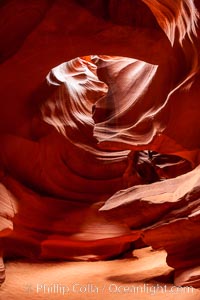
[103,154]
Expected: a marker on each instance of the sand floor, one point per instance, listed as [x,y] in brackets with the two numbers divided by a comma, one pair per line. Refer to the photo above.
[141,277]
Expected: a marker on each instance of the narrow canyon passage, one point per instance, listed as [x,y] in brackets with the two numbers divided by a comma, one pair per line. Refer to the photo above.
[99,135]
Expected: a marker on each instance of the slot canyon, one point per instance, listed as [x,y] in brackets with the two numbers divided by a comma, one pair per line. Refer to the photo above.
[100,136]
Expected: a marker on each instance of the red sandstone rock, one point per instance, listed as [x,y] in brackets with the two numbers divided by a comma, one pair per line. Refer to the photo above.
[73,151]
[167,213]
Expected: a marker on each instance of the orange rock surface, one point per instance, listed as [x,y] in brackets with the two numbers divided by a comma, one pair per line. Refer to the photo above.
[100,130]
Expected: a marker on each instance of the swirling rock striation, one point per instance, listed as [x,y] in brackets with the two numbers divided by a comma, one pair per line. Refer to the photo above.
[106,152]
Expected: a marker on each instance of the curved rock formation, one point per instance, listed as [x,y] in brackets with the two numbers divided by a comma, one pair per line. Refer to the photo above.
[106,152]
